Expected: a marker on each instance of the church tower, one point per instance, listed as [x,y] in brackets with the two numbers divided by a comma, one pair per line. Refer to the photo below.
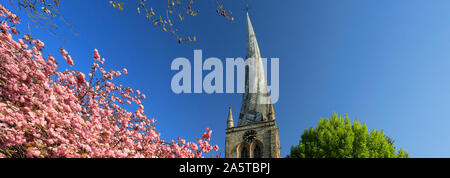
[256,134]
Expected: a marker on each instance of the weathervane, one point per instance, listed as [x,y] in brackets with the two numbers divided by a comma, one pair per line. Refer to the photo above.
[246,8]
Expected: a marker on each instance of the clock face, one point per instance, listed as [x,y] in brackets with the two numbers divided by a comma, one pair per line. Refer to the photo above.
[249,136]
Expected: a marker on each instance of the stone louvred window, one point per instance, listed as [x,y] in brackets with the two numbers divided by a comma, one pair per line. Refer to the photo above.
[257,152]
[244,153]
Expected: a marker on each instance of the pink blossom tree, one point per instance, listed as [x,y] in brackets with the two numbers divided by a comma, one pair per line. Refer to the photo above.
[45,112]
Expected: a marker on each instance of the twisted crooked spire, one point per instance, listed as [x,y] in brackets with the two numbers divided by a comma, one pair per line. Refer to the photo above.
[256,103]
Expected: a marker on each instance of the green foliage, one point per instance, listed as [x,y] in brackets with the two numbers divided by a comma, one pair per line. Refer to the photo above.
[339,138]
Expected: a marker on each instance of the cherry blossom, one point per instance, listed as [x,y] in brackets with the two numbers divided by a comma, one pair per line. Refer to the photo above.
[47,112]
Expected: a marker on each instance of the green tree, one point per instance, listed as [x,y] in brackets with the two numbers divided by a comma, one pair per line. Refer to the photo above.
[339,138]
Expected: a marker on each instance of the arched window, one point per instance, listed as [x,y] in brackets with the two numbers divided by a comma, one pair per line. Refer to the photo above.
[244,152]
[257,152]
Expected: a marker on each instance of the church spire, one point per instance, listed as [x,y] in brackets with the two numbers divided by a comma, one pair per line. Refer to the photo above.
[230,122]
[252,43]
[256,103]
[256,134]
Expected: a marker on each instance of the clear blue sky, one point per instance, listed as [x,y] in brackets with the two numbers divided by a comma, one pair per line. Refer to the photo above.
[384,62]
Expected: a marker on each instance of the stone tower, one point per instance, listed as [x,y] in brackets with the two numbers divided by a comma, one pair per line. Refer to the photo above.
[256,135]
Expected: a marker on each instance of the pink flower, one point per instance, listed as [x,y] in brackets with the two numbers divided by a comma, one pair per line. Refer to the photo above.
[194,147]
[40,44]
[55,113]
[81,78]
[63,51]
[207,135]
[14,31]
[69,60]
[96,55]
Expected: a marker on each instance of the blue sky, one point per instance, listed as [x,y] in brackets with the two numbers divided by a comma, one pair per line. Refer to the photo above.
[384,62]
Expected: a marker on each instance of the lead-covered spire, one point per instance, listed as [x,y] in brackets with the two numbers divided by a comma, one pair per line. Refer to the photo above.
[252,43]
[256,102]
